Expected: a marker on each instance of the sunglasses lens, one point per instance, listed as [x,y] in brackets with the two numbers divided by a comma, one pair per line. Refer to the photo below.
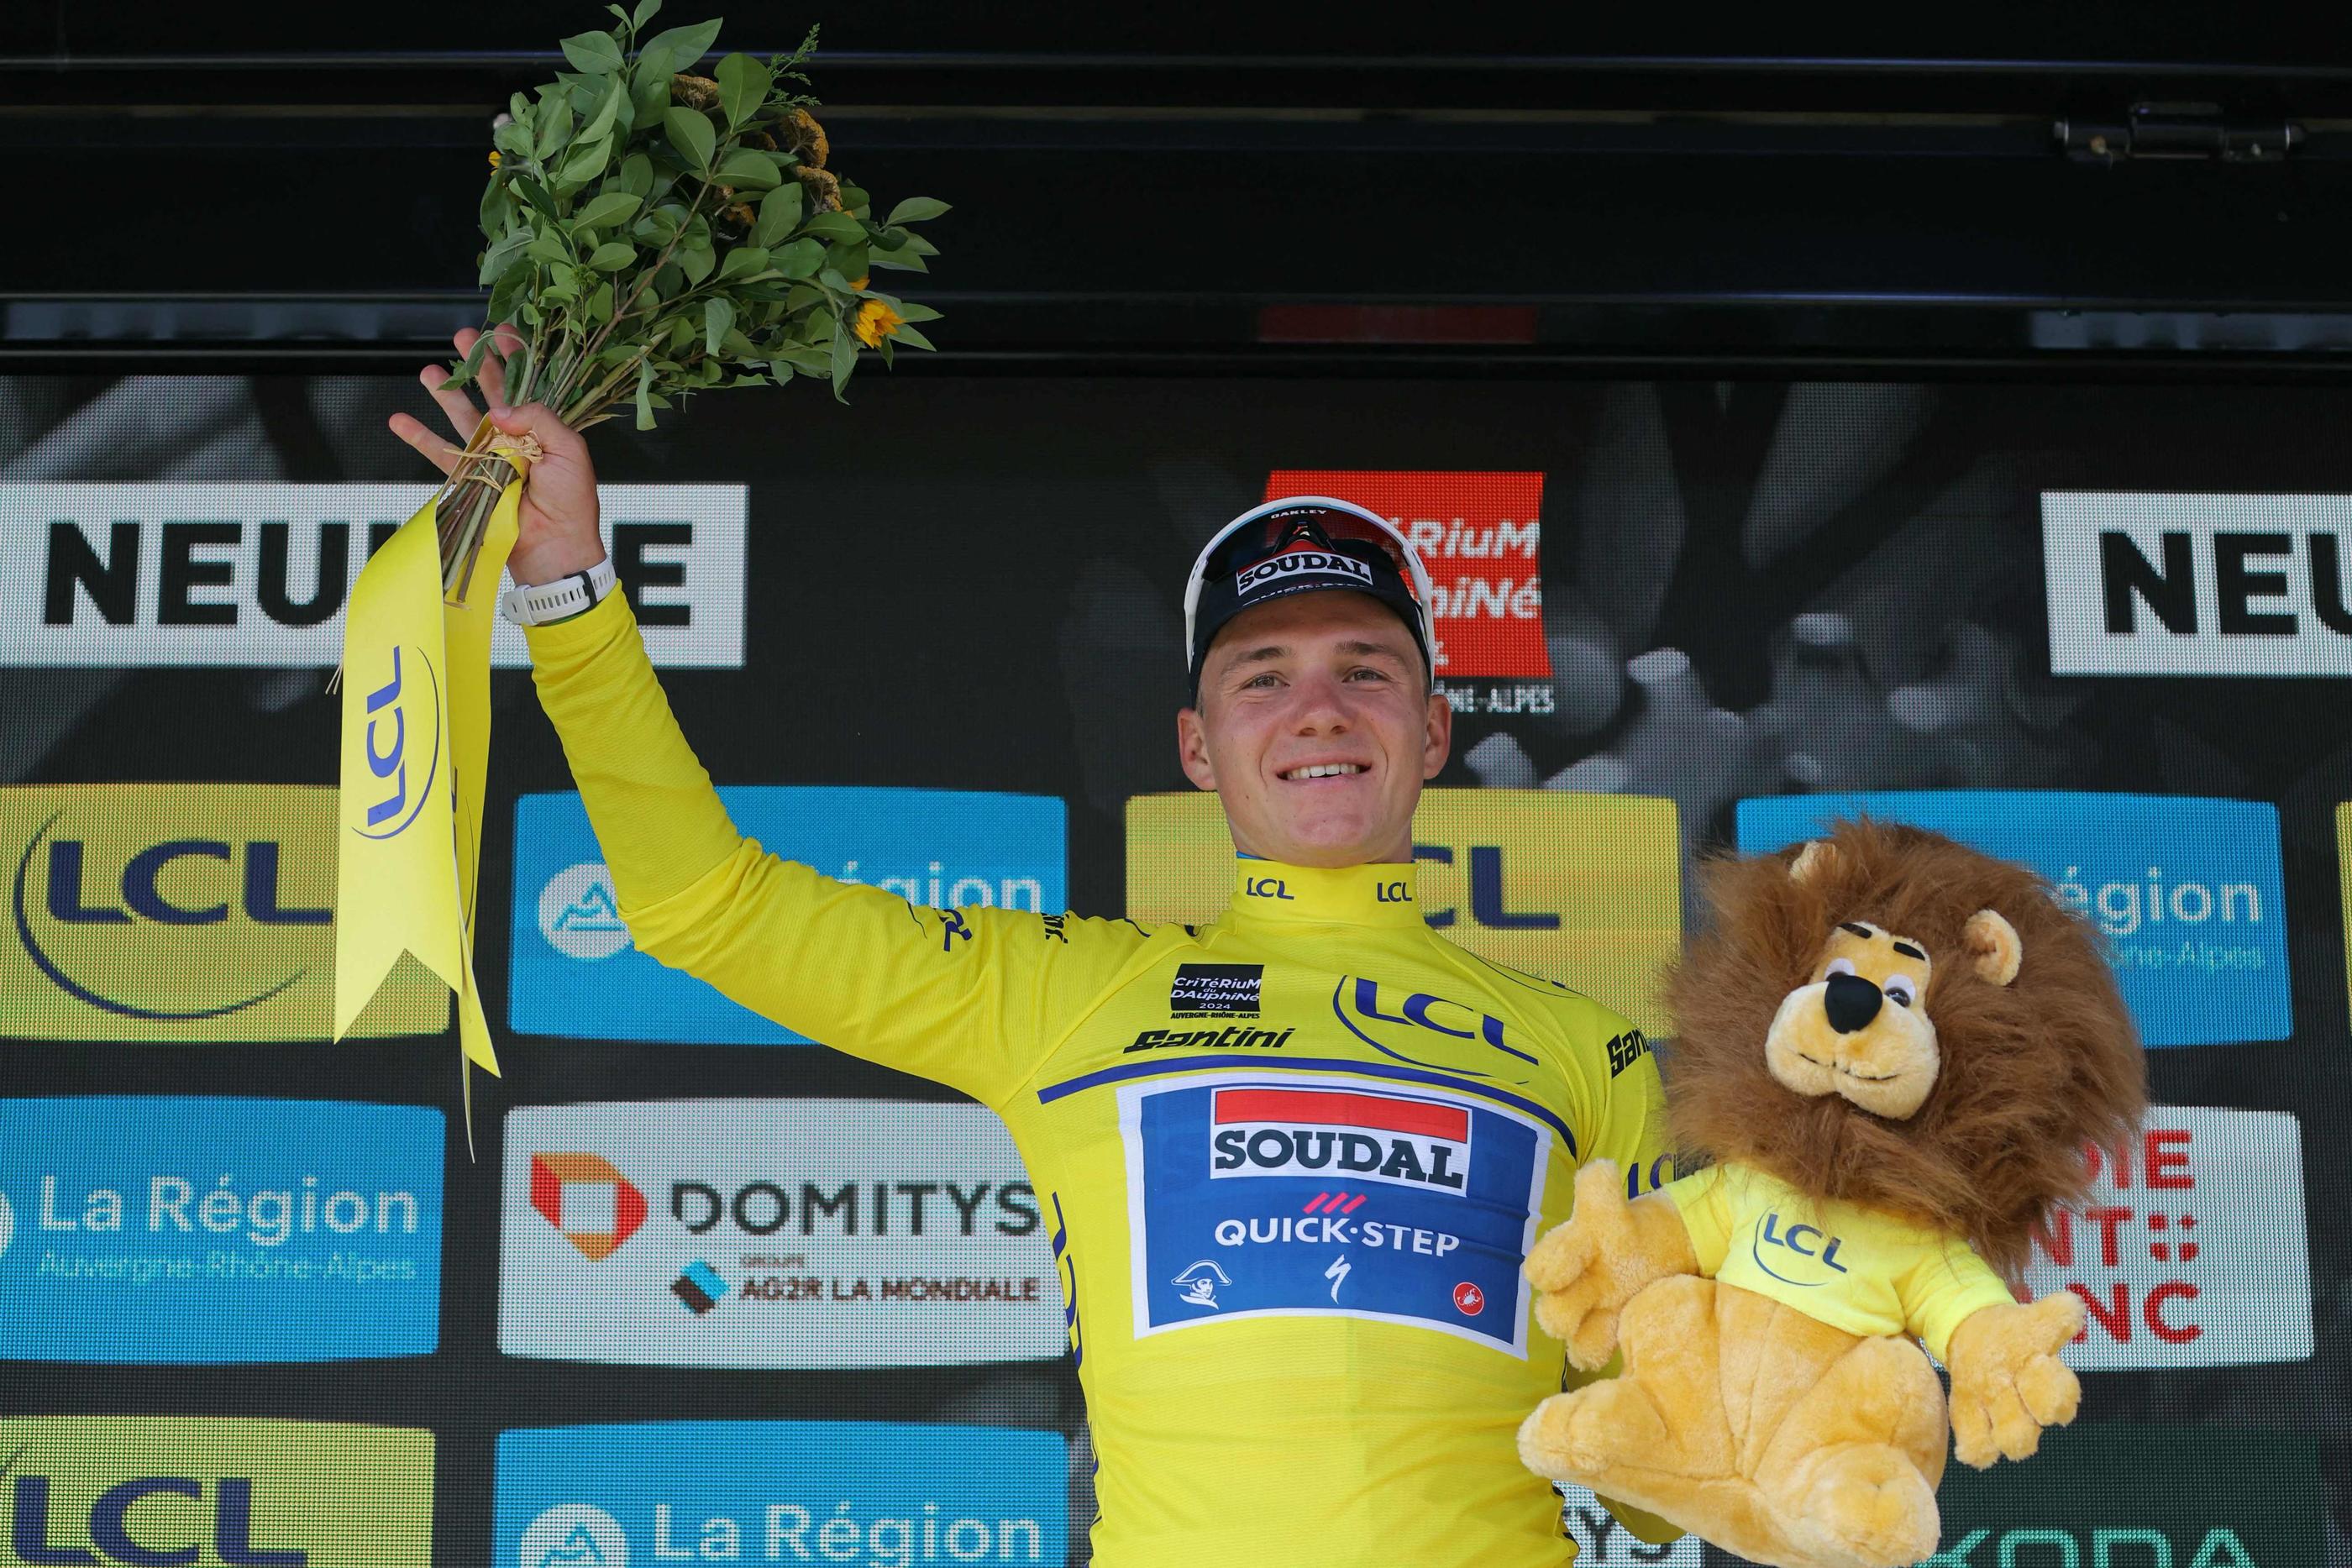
[1260,537]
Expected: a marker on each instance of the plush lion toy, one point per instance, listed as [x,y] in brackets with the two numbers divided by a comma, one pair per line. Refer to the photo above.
[1895,1050]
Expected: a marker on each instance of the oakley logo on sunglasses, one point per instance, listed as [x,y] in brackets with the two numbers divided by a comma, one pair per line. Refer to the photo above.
[1294,563]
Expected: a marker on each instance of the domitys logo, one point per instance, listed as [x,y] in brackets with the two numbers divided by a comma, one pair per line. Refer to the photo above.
[585,1198]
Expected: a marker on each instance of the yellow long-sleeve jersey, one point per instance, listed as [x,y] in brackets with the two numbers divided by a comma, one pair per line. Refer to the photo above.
[1291,1160]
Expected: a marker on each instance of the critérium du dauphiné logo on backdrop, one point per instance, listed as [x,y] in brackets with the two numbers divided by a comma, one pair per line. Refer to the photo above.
[575,971]
[2189,893]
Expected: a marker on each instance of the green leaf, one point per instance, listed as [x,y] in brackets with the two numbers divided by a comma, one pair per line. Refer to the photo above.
[636,175]
[743,261]
[919,245]
[845,359]
[513,138]
[518,374]
[471,365]
[608,112]
[605,211]
[853,198]
[742,86]
[907,334]
[690,134]
[644,13]
[849,260]
[779,214]
[584,162]
[655,228]
[912,312]
[735,346]
[597,53]
[549,248]
[898,261]
[696,261]
[534,195]
[838,226]
[554,129]
[799,259]
[884,348]
[600,303]
[747,166]
[645,385]
[616,11]
[612,256]
[915,209]
[648,97]
[718,321]
[679,48]
[807,361]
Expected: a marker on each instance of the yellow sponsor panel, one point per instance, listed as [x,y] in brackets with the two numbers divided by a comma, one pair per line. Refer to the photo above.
[1581,889]
[181,912]
[2344,873]
[216,1490]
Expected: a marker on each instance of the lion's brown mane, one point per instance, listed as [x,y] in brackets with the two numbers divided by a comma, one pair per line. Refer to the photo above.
[2033,1071]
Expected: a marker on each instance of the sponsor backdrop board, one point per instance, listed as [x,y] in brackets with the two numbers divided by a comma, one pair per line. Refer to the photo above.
[1582,888]
[2189,893]
[182,912]
[786,1233]
[217,1489]
[178,1229]
[780,1492]
[2102,626]
[577,973]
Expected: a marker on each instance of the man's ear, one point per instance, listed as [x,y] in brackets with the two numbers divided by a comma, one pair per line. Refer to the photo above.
[1437,741]
[1193,749]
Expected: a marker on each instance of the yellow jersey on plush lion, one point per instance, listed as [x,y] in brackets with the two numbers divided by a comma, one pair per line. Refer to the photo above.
[1893,1051]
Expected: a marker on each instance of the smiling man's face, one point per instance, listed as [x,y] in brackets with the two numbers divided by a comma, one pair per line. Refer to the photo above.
[1316,728]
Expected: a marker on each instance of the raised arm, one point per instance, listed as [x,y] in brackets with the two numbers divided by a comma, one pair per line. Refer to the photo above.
[967,997]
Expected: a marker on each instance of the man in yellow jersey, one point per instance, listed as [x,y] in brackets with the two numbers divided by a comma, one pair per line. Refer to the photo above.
[1292,1159]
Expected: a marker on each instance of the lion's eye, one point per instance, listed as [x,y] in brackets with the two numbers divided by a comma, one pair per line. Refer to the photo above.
[1841,967]
[1901,989]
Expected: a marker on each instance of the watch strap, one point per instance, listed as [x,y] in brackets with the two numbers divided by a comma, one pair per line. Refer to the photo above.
[549,603]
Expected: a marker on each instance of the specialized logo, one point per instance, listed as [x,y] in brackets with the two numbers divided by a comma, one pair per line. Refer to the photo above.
[1581,889]
[1479,536]
[194,1230]
[2198,584]
[1301,564]
[2188,892]
[1203,990]
[2193,1249]
[575,1535]
[260,574]
[583,1196]
[1328,1194]
[780,1492]
[579,915]
[799,1233]
[139,1490]
[181,912]
[575,972]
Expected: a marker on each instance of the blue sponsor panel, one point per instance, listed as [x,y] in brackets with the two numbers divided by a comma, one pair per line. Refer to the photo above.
[2187,891]
[202,1230]
[1331,1195]
[575,971]
[780,1492]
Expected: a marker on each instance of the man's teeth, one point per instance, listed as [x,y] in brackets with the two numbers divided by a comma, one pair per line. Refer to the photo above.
[1325,771]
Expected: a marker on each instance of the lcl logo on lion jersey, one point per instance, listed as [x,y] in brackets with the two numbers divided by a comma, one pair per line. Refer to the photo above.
[1321,1195]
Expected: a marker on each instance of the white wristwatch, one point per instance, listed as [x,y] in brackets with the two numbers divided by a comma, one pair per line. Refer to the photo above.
[561,600]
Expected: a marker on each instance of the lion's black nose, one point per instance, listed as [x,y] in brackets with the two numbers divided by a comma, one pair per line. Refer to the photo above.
[1851,1002]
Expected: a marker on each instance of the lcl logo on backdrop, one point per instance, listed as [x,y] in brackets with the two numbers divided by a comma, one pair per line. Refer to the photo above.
[2198,585]
[201,1230]
[780,1492]
[778,1233]
[1586,889]
[142,1490]
[1478,534]
[2188,892]
[258,574]
[181,912]
[2192,1249]
[575,971]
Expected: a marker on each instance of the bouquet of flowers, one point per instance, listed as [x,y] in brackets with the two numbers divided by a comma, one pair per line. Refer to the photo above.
[653,233]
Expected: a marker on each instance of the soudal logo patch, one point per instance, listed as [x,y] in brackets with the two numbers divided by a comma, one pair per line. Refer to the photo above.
[1330,1194]
[1298,564]
[1371,1137]
[1228,990]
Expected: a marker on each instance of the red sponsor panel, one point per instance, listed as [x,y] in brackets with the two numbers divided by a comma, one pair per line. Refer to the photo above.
[1313,1108]
[2191,1251]
[1478,535]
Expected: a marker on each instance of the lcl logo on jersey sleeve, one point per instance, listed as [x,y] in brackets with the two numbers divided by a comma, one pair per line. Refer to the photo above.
[1318,1195]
